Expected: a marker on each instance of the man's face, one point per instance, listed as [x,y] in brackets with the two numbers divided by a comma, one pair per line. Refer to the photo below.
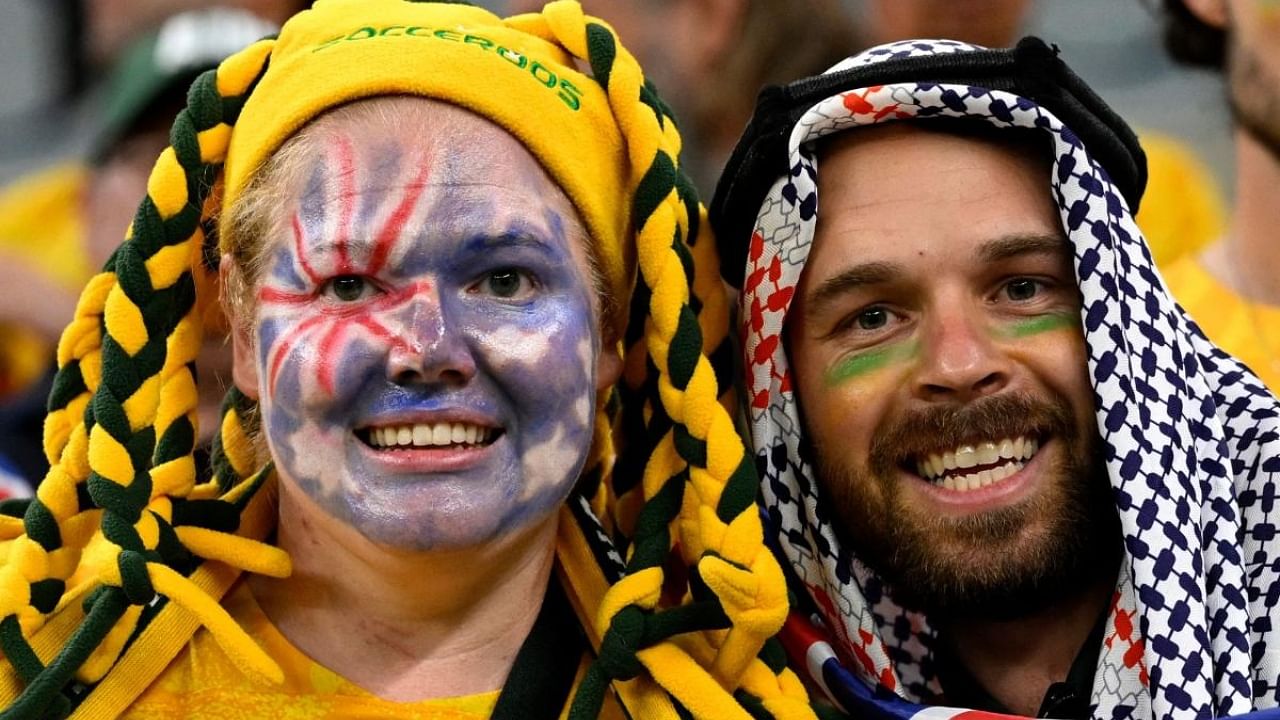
[941,371]
[426,334]
[1253,68]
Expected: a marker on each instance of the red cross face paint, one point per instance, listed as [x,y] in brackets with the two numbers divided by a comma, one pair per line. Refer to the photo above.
[426,331]
[940,366]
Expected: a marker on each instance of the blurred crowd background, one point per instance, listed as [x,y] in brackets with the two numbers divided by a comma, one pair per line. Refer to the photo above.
[54,55]
[88,87]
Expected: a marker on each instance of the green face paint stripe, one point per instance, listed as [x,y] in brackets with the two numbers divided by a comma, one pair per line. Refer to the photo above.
[1040,324]
[863,363]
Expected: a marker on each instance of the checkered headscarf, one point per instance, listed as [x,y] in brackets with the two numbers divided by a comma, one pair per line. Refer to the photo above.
[1192,442]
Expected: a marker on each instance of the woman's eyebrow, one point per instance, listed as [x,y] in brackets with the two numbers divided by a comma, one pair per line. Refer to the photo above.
[355,246]
[518,239]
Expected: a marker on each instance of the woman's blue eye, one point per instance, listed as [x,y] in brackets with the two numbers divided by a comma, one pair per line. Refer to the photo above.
[1022,289]
[348,288]
[506,283]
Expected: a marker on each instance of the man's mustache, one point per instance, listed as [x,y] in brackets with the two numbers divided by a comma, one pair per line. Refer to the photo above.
[921,431]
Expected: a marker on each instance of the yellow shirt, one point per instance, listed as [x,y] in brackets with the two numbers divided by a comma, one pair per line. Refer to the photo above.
[1182,209]
[202,682]
[1227,319]
[41,223]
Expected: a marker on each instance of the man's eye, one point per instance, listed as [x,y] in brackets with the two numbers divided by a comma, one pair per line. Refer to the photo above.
[872,319]
[349,288]
[506,283]
[1022,289]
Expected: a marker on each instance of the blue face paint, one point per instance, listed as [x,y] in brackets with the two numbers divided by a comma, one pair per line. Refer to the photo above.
[411,297]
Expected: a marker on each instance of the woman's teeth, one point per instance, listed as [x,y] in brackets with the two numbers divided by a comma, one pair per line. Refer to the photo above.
[969,467]
[429,435]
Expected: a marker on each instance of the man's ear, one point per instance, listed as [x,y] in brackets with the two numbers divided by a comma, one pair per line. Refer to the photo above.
[244,362]
[1210,12]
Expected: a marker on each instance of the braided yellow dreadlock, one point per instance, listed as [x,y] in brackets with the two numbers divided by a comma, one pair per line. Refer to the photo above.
[108,569]
[119,438]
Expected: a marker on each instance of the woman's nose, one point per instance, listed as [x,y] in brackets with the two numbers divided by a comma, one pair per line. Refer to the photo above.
[428,347]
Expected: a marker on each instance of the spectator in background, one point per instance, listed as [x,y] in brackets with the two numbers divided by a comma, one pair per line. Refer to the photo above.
[991,23]
[709,59]
[111,26]
[67,48]
[58,226]
[1232,288]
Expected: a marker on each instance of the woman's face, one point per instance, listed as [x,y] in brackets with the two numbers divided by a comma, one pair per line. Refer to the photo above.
[426,345]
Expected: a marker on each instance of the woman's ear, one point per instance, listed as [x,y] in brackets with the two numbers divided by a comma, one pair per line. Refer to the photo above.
[608,365]
[244,363]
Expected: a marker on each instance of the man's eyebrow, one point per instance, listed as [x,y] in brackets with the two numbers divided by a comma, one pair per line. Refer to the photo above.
[1012,246]
[872,273]
[878,273]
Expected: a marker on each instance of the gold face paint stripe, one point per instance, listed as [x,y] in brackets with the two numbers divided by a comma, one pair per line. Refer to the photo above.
[1040,324]
[866,362]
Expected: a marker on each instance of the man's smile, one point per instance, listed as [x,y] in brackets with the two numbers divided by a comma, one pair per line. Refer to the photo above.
[971,466]
[997,474]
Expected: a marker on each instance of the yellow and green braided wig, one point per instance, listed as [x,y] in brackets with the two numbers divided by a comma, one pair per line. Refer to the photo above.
[127,550]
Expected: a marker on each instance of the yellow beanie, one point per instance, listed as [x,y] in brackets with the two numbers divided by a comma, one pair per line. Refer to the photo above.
[332,54]
[126,550]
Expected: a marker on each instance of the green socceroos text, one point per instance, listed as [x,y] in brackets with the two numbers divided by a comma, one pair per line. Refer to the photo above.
[568,93]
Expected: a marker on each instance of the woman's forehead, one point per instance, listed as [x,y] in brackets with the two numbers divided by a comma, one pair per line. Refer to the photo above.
[415,168]
[456,145]
[369,152]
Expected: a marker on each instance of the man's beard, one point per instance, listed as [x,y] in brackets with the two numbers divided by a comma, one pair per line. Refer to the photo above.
[1254,95]
[999,564]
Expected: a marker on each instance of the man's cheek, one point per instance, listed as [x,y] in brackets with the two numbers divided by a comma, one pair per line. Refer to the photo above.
[862,370]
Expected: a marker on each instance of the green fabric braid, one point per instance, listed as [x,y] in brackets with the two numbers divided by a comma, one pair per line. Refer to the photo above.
[634,628]
[105,406]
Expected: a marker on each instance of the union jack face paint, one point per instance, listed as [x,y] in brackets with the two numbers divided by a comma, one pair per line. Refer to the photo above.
[426,335]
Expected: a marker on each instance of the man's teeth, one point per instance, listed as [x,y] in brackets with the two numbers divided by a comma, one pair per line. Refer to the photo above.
[429,435]
[995,461]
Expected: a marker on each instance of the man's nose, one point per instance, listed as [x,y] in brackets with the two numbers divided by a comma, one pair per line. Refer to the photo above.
[428,346]
[960,360]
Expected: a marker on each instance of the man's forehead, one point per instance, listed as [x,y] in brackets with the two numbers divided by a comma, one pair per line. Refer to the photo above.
[926,149]
[896,190]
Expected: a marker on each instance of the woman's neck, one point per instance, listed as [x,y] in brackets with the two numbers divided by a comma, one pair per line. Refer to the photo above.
[405,625]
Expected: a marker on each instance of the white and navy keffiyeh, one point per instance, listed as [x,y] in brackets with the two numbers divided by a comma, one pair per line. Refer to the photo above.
[1192,447]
